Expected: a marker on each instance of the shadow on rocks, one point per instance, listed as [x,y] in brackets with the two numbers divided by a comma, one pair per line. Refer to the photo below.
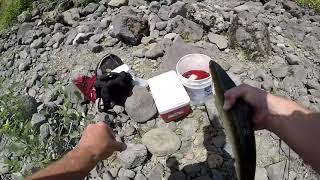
[219,164]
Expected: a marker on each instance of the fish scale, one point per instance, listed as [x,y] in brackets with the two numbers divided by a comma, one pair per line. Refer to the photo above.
[237,123]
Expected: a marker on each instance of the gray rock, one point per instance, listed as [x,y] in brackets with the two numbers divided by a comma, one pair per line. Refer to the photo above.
[105,22]
[161,141]
[267,83]
[170,36]
[29,104]
[23,54]
[37,120]
[179,49]
[177,176]
[137,3]
[252,83]
[236,69]
[101,8]
[155,51]
[161,25]
[241,8]
[299,72]
[293,59]
[44,131]
[51,17]
[279,71]
[130,34]
[154,6]
[128,131]
[133,156]
[95,47]
[65,5]
[124,178]
[24,66]
[140,52]
[72,16]
[96,38]
[261,174]
[89,9]
[38,43]
[118,109]
[126,173]
[189,127]
[71,36]
[156,173]
[114,172]
[214,160]
[218,40]
[164,12]
[295,31]
[178,8]
[118,3]
[25,16]
[107,176]
[186,28]
[140,105]
[80,38]
[250,34]
[58,37]
[110,42]
[140,176]
[277,170]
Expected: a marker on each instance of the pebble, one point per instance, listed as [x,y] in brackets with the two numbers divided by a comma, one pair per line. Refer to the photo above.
[276,171]
[37,120]
[126,173]
[292,59]
[133,156]
[279,71]
[261,174]
[218,40]
[156,173]
[117,3]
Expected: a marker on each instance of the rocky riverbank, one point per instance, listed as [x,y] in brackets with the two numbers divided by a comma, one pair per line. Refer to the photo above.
[273,45]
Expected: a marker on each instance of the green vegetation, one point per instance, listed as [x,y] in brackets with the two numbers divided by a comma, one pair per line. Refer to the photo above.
[16,126]
[25,144]
[10,10]
[314,4]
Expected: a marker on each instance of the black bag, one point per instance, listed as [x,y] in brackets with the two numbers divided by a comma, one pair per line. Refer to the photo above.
[112,88]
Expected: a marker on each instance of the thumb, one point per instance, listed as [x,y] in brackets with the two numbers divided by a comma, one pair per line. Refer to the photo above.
[229,101]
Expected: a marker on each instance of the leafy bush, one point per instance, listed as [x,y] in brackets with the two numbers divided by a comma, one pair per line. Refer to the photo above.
[25,145]
[15,124]
[314,4]
[10,10]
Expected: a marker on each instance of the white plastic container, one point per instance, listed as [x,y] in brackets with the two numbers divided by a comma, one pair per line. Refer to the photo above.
[170,97]
[198,90]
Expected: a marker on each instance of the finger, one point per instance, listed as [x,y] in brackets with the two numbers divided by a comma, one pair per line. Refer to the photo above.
[119,146]
[232,94]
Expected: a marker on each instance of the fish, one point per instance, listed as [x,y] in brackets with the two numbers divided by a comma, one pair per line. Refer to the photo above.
[237,123]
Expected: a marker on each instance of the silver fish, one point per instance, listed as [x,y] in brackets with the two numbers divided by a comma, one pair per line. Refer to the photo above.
[238,124]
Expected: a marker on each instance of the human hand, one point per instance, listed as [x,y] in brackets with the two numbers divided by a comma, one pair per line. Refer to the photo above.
[265,105]
[99,140]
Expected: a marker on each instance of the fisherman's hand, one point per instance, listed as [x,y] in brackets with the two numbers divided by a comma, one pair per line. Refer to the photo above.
[99,140]
[266,106]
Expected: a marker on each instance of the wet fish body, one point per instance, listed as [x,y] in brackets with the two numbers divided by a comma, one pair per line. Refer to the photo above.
[238,124]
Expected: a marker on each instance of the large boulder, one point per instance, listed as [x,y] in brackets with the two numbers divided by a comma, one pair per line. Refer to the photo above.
[250,35]
[140,105]
[161,141]
[189,30]
[129,28]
